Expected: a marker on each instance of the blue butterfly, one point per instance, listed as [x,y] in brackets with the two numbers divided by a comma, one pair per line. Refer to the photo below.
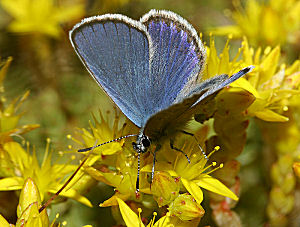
[151,69]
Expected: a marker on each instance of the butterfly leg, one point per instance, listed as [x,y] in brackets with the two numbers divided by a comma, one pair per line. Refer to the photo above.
[153,155]
[154,160]
[137,184]
[201,149]
[177,149]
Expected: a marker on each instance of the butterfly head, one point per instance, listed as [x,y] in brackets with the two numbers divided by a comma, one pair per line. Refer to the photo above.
[142,143]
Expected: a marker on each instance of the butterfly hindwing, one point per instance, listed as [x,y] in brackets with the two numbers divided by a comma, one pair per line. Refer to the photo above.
[223,83]
[169,121]
[172,119]
[178,56]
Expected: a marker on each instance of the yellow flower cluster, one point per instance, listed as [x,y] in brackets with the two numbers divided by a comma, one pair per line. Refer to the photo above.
[20,170]
[272,23]
[40,16]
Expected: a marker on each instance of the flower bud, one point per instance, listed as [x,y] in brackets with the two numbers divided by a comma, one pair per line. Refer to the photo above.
[186,208]
[164,188]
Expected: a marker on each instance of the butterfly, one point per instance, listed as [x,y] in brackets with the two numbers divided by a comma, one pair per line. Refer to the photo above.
[151,69]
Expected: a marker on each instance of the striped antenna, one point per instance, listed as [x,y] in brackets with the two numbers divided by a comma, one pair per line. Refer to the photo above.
[114,140]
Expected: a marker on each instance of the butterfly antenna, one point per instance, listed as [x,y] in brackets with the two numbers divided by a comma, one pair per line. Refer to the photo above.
[66,183]
[91,148]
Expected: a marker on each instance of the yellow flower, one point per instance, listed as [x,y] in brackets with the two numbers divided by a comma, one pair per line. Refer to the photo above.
[20,165]
[103,132]
[40,16]
[131,219]
[272,23]
[272,84]
[114,163]
[192,175]
[221,64]
[9,118]
[28,208]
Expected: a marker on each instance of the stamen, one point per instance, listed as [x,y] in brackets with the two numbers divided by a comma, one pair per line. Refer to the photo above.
[140,211]
[151,224]
[267,50]
[207,167]
[215,149]
[70,137]
[46,151]
[213,170]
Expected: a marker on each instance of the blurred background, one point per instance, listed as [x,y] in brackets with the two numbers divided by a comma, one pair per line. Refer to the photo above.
[63,95]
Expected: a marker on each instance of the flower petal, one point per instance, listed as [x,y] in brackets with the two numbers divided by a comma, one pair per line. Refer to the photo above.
[243,83]
[112,201]
[3,222]
[131,219]
[216,186]
[73,194]
[193,189]
[11,183]
[269,115]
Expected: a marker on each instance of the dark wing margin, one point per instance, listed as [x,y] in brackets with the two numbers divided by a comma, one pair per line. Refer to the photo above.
[116,50]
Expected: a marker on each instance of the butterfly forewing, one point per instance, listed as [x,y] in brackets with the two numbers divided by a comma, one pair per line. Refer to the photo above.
[115,49]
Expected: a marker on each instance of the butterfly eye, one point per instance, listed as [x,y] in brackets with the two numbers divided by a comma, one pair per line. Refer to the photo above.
[146,142]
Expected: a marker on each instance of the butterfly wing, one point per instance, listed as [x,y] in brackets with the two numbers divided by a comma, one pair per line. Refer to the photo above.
[178,57]
[168,122]
[219,84]
[116,51]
